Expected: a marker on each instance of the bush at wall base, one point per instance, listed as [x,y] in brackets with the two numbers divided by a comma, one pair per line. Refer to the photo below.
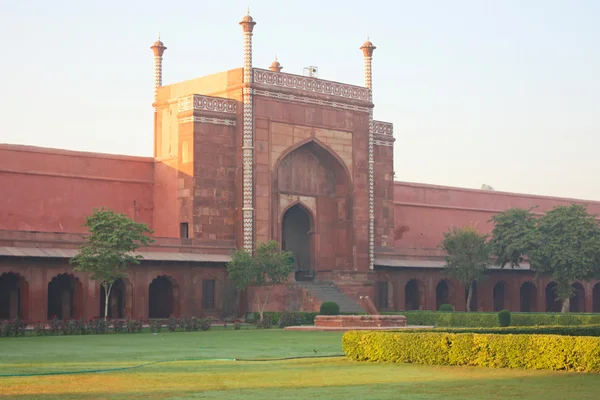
[329,308]
[549,352]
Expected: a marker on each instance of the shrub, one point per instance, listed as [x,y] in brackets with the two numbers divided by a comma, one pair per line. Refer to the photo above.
[446,308]
[266,322]
[133,326]
[548,352]
[119,326]
[237,325]
[504,318]
[586,330]
[172,324]
[289,319]
[329,308]
[38,329]
[99,326]
[55,325]
[156,325]
[205,323]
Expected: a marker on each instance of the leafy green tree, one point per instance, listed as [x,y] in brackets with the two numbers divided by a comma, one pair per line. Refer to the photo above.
[565,243]
[268,267]
[511,236]
[108,250]
[467,256]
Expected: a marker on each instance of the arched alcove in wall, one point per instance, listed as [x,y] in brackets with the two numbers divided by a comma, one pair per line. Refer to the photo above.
[312,186]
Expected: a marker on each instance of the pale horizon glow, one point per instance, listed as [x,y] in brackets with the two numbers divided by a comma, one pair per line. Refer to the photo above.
[479,91]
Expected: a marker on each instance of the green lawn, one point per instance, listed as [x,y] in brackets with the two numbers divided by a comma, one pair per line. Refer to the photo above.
[200,365]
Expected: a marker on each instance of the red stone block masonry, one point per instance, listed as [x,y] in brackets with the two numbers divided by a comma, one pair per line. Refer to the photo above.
[242,157]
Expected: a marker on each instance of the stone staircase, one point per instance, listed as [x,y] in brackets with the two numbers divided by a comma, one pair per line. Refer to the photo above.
[327,291]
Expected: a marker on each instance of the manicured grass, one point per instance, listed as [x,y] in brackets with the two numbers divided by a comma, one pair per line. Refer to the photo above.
[323,378]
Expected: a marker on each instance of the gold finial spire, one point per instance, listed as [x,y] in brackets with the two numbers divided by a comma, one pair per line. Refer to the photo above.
[158,35]
[248,10]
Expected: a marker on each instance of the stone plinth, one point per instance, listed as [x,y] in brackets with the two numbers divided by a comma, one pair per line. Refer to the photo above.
[360,321]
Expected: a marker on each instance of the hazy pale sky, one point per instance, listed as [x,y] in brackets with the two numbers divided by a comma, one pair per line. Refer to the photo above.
[503,92]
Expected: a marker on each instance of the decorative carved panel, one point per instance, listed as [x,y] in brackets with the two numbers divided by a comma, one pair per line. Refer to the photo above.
[302,172]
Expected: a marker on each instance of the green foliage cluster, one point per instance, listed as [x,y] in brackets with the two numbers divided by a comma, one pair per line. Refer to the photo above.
[481,319]
[446,308]
[110,247]
[269,266]
[297,318]
[504,318]
[467,256]
[548,352]
[576,330]
[564,242]
[329,308]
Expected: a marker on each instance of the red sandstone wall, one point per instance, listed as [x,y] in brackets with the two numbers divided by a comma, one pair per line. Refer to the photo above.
[423,212]
[54,190]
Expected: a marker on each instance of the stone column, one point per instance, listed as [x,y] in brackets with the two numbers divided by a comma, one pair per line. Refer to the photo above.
[158,48]
[247,24]
[367,49]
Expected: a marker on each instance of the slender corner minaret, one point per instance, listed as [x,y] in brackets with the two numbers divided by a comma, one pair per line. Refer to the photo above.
[247,24]
[158,48]
[367,49]
[275,66]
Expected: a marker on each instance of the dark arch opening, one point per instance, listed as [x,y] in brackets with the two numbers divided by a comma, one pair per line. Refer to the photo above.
[528,295]
[553,304]
[474,302]
[117,305]
[442,294]
[596,298]
[577,301]
[14,296]
[163,298]
[64,297]
[296,238]
[414,295]
[500,292]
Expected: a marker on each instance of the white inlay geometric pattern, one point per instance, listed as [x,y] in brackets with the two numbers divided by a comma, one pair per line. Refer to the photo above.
[206,103]
[309,100]
[208,120]
[267,77]
[247,149]
[383,128]
[369,85]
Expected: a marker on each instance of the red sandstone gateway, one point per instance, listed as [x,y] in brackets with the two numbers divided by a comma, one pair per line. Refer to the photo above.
[242,157]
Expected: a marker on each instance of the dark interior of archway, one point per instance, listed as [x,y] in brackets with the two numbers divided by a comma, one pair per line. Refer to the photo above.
[442,294]
[161,298]
[473,299]
[499,292]
[412,295]
[116,305]
[10,296]
[596,298]
[61,297]
[528,294]
[553,304]
[577,302]
[296,236]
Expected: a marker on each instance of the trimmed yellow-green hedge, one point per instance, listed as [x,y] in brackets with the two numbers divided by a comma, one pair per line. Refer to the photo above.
[549,352]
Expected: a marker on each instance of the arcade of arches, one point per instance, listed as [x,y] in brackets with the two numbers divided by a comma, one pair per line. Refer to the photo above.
[420,293]
[64,297]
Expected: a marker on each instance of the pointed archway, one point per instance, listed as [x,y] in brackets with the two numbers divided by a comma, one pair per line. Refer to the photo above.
[120,297]
[414,295]
[65,297]
[296,237]
[14,296]
[163,297]
[528,297]
[312,186]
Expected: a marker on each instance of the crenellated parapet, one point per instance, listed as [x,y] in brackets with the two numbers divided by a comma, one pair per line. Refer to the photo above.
[383,133]
[206,109]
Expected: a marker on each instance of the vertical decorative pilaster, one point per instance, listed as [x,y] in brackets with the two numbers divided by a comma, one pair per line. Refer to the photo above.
[368,49]
[158,48]
[247,24]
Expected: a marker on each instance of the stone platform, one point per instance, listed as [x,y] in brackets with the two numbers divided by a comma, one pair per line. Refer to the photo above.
[341,323]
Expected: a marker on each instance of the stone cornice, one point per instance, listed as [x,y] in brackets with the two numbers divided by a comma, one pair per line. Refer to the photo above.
[206,103]
[310,100]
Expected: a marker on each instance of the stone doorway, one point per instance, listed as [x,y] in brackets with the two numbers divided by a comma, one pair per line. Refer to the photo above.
[296,237]
[117,306]
[163,298]
[64,297]
[13,296]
